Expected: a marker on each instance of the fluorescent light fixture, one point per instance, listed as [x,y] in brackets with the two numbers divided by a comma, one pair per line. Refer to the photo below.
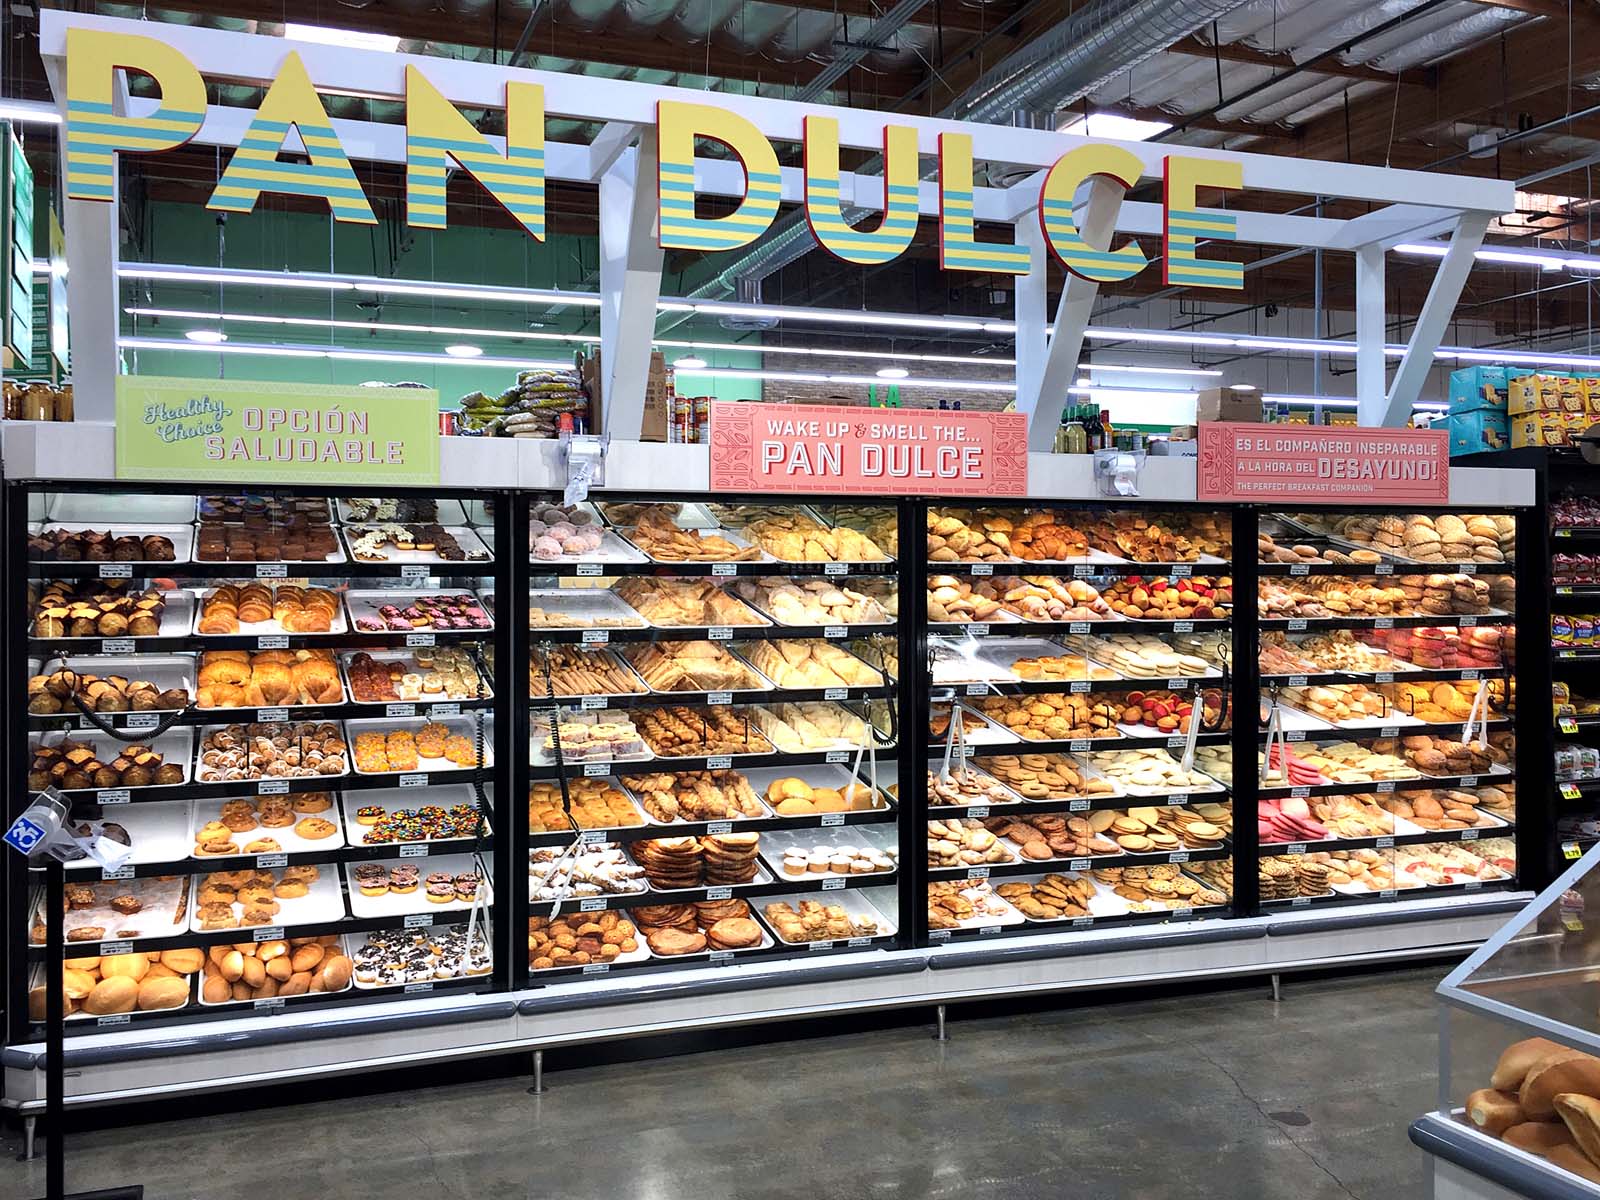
[1243,387]
[892,372]
[986,360]
[838,315]
[463,350]
[379,356]
[1164,395]
[689,362]
[350,38]
[26,112]
[209,337]
[1543,259]
[969,385]
[259,279]
[367,326]
[1345,402]
[1083,383]
[1130,369]
[1115,126]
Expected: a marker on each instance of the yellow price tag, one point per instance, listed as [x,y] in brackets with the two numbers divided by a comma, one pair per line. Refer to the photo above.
[1571,850]
[1567,725]
[1571,791]
[1573,925]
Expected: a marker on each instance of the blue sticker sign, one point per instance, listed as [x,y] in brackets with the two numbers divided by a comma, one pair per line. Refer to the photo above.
[24,835]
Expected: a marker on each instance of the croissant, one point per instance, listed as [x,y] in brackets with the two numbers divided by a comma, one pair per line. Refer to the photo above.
[224,620]
[274,683]
[214,668]
[317,682]
[253,608]
[221,695]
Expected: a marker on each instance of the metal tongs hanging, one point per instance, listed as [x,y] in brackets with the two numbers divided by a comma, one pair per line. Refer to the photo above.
[1275,735]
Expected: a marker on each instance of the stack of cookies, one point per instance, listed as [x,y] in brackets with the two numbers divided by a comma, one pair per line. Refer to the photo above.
[671,864]
[676,929]
[730,858]
[1292,875]
[1053,898]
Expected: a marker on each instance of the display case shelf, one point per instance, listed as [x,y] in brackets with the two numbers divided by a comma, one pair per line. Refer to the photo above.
[1100,862]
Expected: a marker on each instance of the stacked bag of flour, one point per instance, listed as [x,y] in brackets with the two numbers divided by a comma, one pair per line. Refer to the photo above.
[531,408]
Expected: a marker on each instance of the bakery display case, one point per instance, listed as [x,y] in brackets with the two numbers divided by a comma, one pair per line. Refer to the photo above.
[1519,1050]
[1079,728]
[714,702]
[1387,664]
[281,705]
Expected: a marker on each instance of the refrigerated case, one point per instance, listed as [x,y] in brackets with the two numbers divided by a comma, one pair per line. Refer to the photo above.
[723,768]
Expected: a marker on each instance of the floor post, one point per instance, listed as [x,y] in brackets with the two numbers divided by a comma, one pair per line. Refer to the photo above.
[939,1034]
[538,1088]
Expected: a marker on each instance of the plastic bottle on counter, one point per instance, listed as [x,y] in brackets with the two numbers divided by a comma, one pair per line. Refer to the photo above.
[1077,438]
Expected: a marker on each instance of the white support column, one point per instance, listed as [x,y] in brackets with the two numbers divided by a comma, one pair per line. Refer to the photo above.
[1072,313]
[1029,304]
[1371,367]
[90,227]
[608,145]
[1435,316]
[630,284]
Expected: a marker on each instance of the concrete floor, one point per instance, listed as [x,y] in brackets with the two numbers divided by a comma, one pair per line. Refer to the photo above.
[1219,1095]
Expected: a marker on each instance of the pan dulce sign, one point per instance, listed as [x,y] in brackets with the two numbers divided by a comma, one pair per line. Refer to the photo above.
[1322,464]
[867,451]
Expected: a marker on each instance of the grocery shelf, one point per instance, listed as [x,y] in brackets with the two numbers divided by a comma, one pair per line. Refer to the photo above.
[739,891]
[275,787]
[712,762]
[1034,866]
[563,568]
[1388,841]
[1028,628]
[265,572]
[1162,741]
[192,643]
[1082,570]
[1386,568]
[1384,786]
[249,862]
[1082,924]
[262,933]
[1575,531]
[541,705]
[1388,895]
[1075,687]
[1462,621]
[544,635]
[1349,733]
[1373,678]
[75,721]
[639,833]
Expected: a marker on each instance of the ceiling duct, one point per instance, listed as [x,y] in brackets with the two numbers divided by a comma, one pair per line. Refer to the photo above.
[1084,52]
[748,292]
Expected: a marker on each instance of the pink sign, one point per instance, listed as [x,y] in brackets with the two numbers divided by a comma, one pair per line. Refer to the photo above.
[1321,464]
[867,451]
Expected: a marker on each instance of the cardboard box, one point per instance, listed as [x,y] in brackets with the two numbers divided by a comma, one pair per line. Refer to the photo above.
[1477,430]
[1225,404]
[1183,433]
[1538,429]
[1573,394]
[1473,388]
[1591,394]
[1533,393]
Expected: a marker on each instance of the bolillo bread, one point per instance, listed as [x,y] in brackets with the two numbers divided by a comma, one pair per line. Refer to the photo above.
[1570,1158]
[1564,1071]
[1494,1111]
[1581,1115]
[1538,1137]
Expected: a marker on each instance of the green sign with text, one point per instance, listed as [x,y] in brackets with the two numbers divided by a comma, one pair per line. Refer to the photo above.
[239,431]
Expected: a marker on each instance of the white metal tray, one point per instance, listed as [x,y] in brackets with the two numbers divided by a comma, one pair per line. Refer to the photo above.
[165,912]
[1010,915]
[177,617]
[408,661]
[158,832]
[612,549]
[456,725]
[268,628]
[393,800]
[762,878]
[205,774]
[323,901]
[737,539]
[286,836]
[481,938]
[775,843]
[364,603]
[465,537]
[86,508]
[163,670]
[288,1000]
[176,746]
[394,904]
[766,943]
[753,689]
[448,512]
[854,903]
[181,536]
[581,608]
[539,731]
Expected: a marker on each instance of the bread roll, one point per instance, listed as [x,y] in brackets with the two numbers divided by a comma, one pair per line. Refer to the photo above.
[253,972]
[84,964]
[1568,1071]
[1517,1059]
[297,984]
[305,958]
[1494,1111]
[163,991]
[157,971]
[76,985]
[185,961]
[270,950]
[335,973]
[232,965]
[117,994]
[1581,1115]
[133,966]
[280,968]
[1570,1158]
[216,990]
[1538,1137]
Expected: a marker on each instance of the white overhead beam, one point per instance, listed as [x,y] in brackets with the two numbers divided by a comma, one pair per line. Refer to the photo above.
[1434,317]
[1393,225]
[255,58]
[630,270]
[1073,308]
[1371,317]
[608,146]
